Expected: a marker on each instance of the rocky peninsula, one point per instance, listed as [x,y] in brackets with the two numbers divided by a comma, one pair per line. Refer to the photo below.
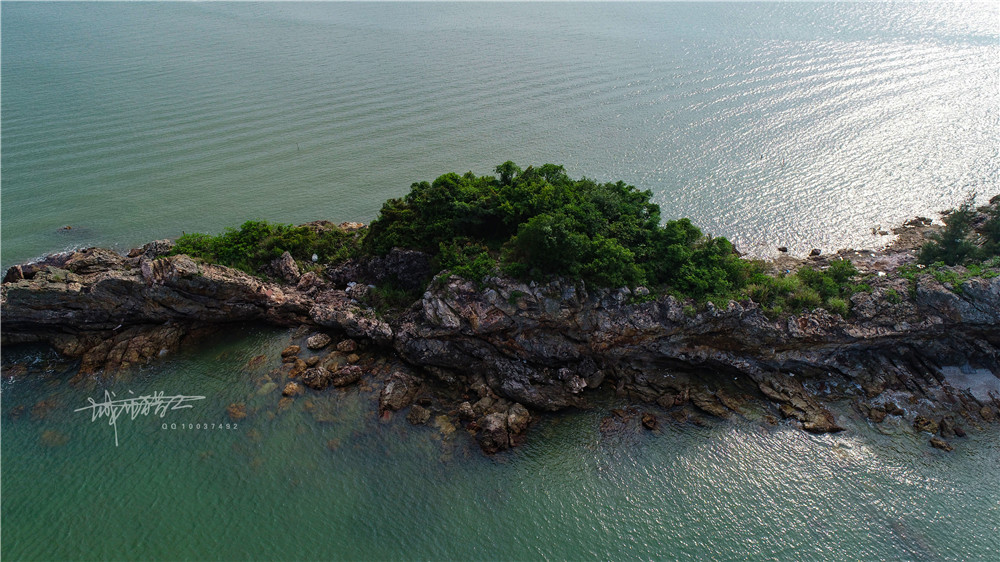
[493,299]
[494,354]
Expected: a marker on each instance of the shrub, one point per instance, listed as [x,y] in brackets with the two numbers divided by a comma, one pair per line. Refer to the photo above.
[991,230]
[762,293]
[256,243]
[467,259]
[821,282]
[842,271]
[837,305]
[952,245]
[387,297]
[783,286]
[805,298]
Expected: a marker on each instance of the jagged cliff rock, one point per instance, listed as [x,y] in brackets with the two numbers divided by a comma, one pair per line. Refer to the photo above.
[544,346]
[93,302]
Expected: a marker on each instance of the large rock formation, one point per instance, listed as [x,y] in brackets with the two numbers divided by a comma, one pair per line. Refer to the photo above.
[114,311]
[543,346]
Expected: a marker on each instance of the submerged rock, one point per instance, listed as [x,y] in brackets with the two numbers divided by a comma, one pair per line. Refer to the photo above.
[346,376]
[650,421]
[237,411]
[52,438]
[292,389]
[987,413]
[892,409]
[418,415]
[938,443]
[398,392]
[317,378]
[921,423]
[493,436]
[876,414]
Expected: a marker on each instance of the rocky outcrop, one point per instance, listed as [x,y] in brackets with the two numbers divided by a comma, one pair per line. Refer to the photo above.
[113,311]
[544,344]
[515,347]
[398,392]
[406,269]
[91,291]
[285,268]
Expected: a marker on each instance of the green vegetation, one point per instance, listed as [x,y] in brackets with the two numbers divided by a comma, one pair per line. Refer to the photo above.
[951,276]
[807,289]
[961,242]
[538,223]
[535,224]
[893,296]
[466,259]
[970,238]
[256,243]
[389,297]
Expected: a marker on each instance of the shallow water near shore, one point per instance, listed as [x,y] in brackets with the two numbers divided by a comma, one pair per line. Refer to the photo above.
[334,481]
[799,125]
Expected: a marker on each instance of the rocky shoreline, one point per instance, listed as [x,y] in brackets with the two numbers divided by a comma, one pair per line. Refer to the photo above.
[491,357]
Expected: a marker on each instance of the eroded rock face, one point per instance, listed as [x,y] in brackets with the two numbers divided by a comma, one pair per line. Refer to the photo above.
[407,269]
[543,345]
[514,345]
[114,311]
[398,392]
[105,293]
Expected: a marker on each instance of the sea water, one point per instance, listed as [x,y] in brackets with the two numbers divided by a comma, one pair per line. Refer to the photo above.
[803,125]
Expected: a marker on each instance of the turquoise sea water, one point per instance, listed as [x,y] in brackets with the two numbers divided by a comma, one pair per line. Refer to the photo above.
[274,487]
[801,125]
[775,124]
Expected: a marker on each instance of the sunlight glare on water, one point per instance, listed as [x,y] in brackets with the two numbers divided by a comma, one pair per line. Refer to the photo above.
[800,125]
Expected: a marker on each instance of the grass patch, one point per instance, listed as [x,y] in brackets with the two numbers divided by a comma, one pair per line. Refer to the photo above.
[256,243]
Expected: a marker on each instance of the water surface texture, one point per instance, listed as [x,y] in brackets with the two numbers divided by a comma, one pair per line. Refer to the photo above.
[802,125]
[324,478]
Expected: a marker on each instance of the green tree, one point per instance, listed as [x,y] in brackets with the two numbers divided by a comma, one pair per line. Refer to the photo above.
[952,245]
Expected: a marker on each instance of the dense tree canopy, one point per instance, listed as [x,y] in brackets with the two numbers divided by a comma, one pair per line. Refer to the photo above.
[539,222]
[536,223]
[960,241]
